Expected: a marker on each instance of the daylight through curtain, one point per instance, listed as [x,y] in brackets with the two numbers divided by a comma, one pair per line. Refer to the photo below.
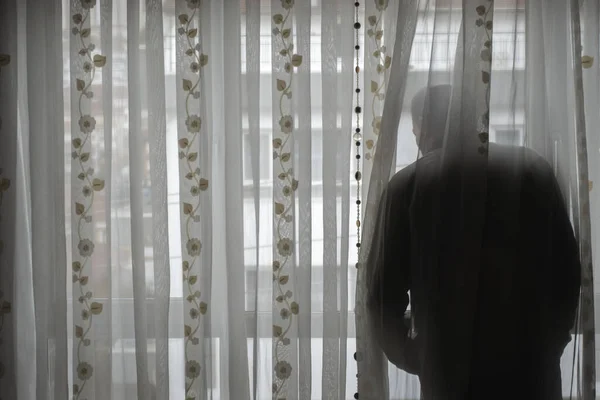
[179,200]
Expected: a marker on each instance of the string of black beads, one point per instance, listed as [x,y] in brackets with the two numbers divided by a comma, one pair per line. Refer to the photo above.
[357,136]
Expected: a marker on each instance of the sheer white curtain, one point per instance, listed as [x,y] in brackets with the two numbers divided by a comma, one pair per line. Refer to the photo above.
[178,202]
[535,69]
[182,171]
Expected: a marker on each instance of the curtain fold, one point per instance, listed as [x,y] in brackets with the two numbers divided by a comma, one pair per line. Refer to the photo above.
[587,316]
[10,340]
[47,198]
[590,36]
[303,207]
[105,370]
[234,210]
[372,369]
[254,210]
[158,181]
[179,200]
[346,279]
[135,207]
[331,133]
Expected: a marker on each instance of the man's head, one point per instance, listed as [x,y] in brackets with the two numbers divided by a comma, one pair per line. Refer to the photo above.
[429,109]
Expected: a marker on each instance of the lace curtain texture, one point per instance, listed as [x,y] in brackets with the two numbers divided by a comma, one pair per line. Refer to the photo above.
[178,192]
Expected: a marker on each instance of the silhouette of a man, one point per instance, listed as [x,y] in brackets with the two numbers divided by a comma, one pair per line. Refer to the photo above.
[493,310]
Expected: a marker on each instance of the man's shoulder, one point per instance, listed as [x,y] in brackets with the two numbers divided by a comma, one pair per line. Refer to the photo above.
[524,161]
[425,170]
[527,160]
[402,179]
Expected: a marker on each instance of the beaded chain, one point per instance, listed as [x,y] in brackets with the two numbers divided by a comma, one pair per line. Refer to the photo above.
[357,136]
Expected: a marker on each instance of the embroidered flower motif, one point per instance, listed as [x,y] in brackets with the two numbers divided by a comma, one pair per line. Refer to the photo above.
[195,191]
[192,369]
[85,314]
[87,123]
[284,247]
[376,124]
[193,123]
[194,67]
[286,123]
[287,4]
[84,371]
[283,370]
[381,4]
[86,247]
[87,67]
[294,307]
[88,4]
[87,191]
[194,313]
[193,247]
[287,191]
[193,4]
[284,313]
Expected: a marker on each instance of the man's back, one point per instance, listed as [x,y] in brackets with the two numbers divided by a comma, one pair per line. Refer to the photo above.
[494,291]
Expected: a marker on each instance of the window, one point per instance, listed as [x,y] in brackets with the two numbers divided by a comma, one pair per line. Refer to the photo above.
[438,48]
[511,137]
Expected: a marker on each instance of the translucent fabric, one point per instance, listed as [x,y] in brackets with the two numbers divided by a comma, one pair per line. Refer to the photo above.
[178,192]
[181,176]
[483,234]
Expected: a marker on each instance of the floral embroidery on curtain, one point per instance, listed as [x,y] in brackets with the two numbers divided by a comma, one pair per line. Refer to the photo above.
[381,61]
[88,185]
[193,183]
[485,22]
[284,308]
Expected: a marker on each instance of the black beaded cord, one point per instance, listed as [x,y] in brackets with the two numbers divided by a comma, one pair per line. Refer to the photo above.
[357,137]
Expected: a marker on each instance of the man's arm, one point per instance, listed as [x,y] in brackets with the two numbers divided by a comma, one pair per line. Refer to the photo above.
[388,266]
[558,246]
[566,269]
